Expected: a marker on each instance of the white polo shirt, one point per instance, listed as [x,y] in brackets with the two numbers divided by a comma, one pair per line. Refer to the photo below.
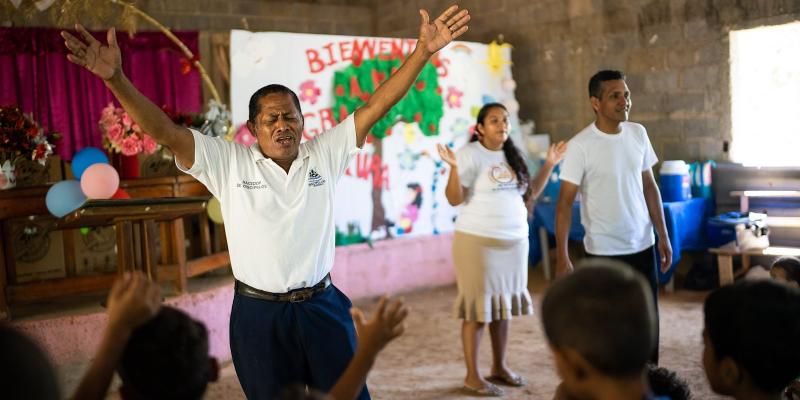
[280,227]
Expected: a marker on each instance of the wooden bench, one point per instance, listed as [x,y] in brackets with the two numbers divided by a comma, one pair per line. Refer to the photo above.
[725,258]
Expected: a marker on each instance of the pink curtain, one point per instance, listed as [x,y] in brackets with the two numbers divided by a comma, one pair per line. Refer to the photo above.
[63,97]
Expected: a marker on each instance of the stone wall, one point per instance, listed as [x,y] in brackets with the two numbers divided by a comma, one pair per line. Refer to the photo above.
[674,52]
[341,17]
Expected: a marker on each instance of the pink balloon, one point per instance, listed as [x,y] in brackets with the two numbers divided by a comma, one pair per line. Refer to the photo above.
[99,181]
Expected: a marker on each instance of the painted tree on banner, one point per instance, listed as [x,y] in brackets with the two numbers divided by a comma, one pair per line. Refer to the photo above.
[423,105]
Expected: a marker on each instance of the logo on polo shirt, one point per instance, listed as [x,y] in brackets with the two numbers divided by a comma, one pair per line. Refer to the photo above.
[252,185]
[315,179]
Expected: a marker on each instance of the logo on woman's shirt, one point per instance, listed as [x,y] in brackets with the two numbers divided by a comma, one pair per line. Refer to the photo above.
[502,176]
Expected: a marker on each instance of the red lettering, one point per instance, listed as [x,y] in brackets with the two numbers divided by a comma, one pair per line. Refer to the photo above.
[343,112]
[367,166]
[314,63]
[383,46]
[362,169]
[380,173]
[309,133]
[331,58]
[326,118]
[355,88]
[366,44]
[344,51]
[377,78]
[397,49]
[442,69]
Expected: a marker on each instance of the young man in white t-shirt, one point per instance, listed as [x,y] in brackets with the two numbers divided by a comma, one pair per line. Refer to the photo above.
[289,324]
[610,163]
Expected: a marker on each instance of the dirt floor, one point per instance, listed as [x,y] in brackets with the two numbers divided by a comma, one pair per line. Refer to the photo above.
[426,362]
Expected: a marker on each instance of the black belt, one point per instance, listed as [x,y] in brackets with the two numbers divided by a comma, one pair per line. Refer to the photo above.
[294,296]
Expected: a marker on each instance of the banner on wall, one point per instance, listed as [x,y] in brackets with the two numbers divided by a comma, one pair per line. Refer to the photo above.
[395,185]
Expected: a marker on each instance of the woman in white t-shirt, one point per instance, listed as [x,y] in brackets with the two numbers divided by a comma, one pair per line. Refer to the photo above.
[490,246]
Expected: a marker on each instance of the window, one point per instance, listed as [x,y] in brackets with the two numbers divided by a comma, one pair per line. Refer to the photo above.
[765,96]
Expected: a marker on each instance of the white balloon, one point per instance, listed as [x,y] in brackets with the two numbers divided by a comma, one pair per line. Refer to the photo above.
[511,105]
[509,84]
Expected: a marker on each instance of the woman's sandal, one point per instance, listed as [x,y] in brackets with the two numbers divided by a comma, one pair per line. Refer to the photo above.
[516,381]
[489,390]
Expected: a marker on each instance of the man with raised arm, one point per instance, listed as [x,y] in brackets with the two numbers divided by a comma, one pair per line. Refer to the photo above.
[289,324]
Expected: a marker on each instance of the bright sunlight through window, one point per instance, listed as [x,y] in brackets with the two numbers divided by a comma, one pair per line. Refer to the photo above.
[765,96]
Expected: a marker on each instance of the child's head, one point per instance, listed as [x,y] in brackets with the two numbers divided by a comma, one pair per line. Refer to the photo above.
[25,371]
[600,324]
[666,383]
[750,337]
[787,270]
[167,358]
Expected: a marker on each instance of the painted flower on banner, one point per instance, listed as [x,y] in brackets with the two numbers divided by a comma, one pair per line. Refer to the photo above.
[309,92]
[409,133]
[243,136]
[495,57]
[460,127]
[122,135]
[408,159]
[454,97]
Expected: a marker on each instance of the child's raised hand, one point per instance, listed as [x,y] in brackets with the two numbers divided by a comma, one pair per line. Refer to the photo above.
[133,300]
[385,325]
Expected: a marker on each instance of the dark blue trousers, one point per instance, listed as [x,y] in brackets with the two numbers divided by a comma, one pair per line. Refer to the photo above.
[276,344]
[645,263]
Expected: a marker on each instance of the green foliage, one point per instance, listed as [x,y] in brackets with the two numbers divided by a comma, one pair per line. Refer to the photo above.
[353,86]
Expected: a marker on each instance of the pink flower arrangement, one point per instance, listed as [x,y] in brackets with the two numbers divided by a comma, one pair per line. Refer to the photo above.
[122,135]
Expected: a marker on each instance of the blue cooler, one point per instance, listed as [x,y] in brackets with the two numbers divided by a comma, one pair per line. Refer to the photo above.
[675,183]
[721,229]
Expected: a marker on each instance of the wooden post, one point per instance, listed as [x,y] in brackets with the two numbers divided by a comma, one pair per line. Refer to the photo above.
[5,313]
[725,267]
[148,245]
[179,252]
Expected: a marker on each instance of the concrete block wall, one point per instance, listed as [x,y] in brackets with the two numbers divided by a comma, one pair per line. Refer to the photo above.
[339,17]
[674,52]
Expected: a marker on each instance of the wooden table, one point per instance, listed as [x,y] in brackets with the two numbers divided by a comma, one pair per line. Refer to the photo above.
[134,222]
[726,253]
[174,265]
[745,196]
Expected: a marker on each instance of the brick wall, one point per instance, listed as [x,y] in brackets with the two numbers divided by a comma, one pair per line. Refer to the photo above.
[343,17]
[675,53]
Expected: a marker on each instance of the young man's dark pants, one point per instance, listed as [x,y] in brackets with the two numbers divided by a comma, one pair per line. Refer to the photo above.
[645,263]
[276,344]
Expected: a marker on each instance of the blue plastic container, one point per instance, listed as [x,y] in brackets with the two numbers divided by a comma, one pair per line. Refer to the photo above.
[721,229]
[675,182]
